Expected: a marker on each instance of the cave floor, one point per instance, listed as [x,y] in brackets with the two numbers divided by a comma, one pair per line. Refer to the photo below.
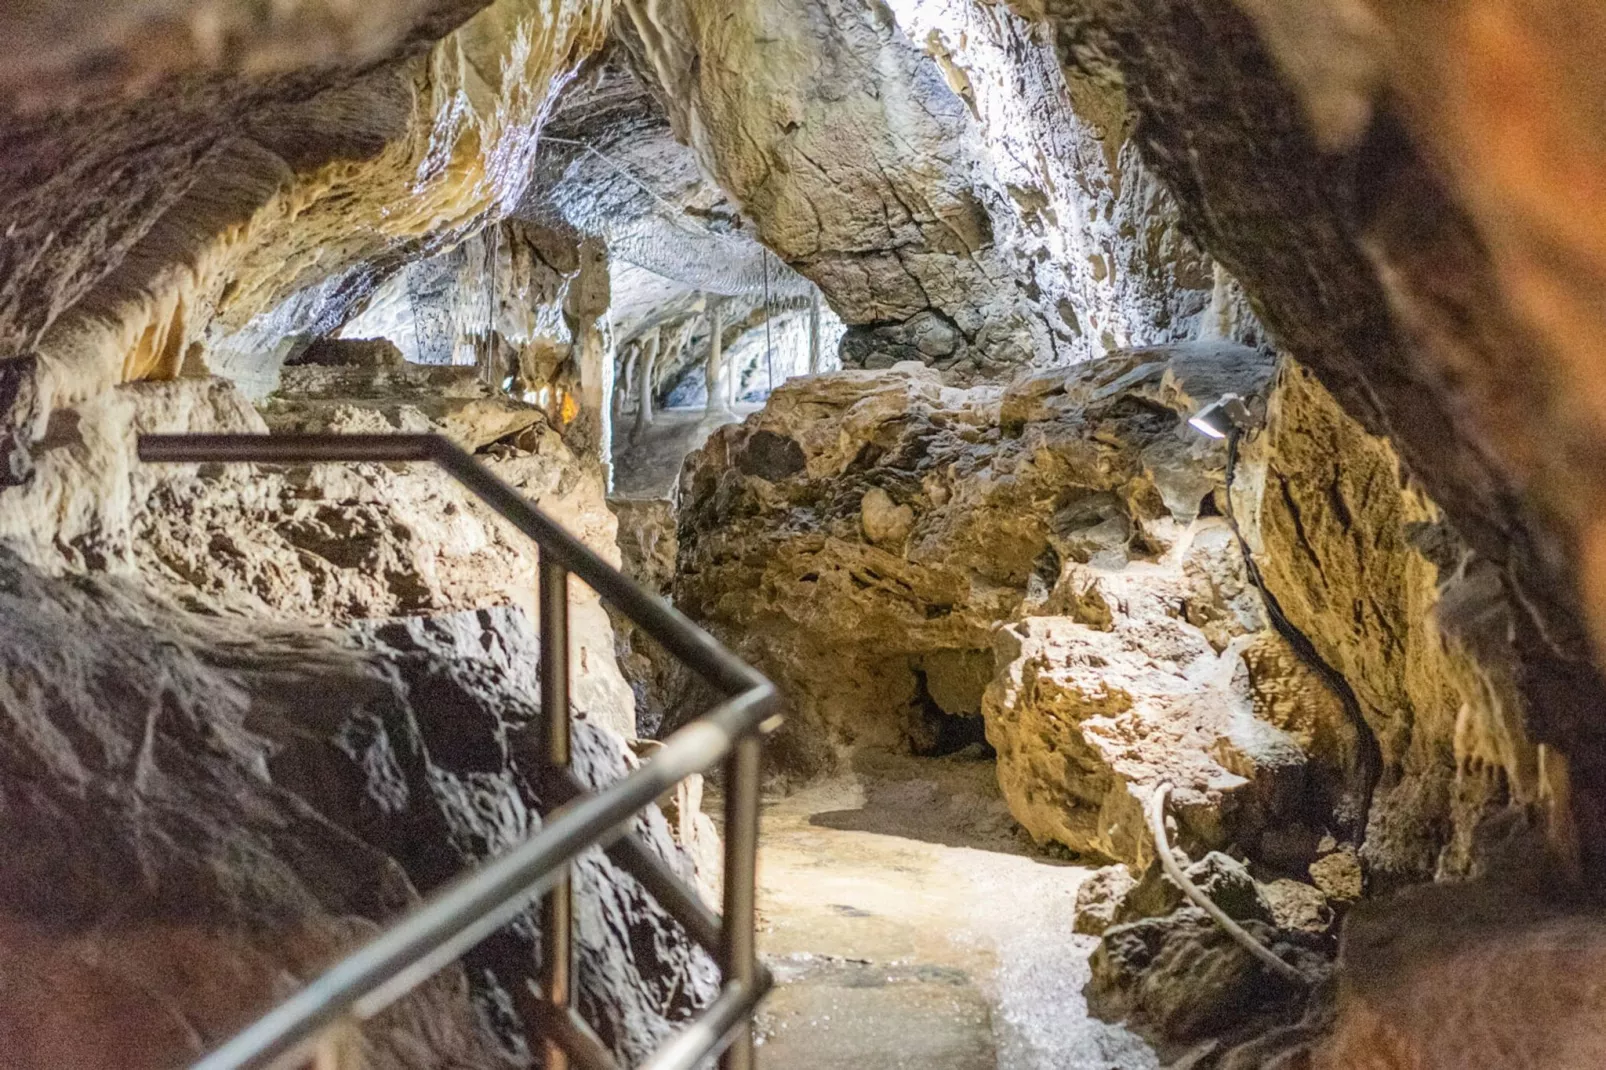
[910,925]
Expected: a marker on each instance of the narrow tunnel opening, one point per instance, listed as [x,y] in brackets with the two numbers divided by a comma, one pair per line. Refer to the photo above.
[939,734]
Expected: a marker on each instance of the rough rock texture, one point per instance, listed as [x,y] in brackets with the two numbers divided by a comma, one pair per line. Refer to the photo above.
[199,814]
[142,232]
[1424,635]
[314,543]
[842,142]
[970,208]
[1201,998]
[1182,977]
[897,553]
[59,53]
[1098,897]
[344,386]
[1345,182]
[647,548]
[1224,880]
[1470,976]
[1090,227]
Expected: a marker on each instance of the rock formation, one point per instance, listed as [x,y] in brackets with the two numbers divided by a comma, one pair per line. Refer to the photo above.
[200,812]
[900,554]
[1284,629]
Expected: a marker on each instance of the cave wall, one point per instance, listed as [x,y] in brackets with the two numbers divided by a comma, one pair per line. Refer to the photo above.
[140,230]
[1052,555]
[1359,248]
[201,812]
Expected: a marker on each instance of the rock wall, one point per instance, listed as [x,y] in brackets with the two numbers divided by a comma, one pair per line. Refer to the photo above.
[326,543]
[199,814]
[1093,231]
[841,141]
[1331,173]
[1366,566]
[141,232]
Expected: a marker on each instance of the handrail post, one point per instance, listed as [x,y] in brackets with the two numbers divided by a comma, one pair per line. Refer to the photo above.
[557,911]
[739,943]
[462,914]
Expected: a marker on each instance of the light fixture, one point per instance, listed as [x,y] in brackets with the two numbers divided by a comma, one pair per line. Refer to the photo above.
[1221,417]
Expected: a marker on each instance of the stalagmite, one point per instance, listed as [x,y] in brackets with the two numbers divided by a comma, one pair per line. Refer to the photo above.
[626,382]
[647,362]
[814,334]
[715,374]
[585,307]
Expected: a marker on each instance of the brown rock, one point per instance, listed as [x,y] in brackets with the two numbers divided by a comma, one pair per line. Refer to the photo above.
[1475,976]
[199,815]
[1297,905]
[1098,897]
[885,523]
[1339,875]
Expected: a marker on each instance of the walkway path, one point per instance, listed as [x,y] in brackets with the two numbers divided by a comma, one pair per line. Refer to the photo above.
[911,929]
[649,468]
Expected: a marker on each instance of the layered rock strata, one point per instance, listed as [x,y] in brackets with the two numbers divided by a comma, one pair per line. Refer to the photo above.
[326,543]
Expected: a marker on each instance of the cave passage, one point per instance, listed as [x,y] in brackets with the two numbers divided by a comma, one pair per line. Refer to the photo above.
[1066,404]
[911,926]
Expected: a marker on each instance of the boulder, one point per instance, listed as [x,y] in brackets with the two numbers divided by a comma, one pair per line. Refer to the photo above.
[1098,897]
[1225,881]
[1181,977]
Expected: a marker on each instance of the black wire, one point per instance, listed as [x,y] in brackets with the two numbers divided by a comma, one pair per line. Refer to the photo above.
[1369,762]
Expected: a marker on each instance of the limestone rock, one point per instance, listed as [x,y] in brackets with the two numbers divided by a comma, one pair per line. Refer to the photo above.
[1225,881]
[64,53]
[1339,876]
[1297,905]
[885,523]
[1098,897]
[1443,315]
[200,814]
[312,543]
[660,682]
[366,386]
[1476,975]
[158,228]
[1182,976]
[1054,538]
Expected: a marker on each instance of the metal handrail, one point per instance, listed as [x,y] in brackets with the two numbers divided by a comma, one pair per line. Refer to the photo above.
[460,915]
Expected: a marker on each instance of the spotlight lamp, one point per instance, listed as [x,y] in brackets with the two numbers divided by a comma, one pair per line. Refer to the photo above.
[1221,417]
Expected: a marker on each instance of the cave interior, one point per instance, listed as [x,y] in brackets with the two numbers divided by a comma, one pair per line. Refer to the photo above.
[1150,445]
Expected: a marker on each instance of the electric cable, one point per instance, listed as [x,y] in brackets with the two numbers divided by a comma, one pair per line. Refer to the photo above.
[1239,934]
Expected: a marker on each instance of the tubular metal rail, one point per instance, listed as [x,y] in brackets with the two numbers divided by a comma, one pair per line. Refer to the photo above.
[459,916]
